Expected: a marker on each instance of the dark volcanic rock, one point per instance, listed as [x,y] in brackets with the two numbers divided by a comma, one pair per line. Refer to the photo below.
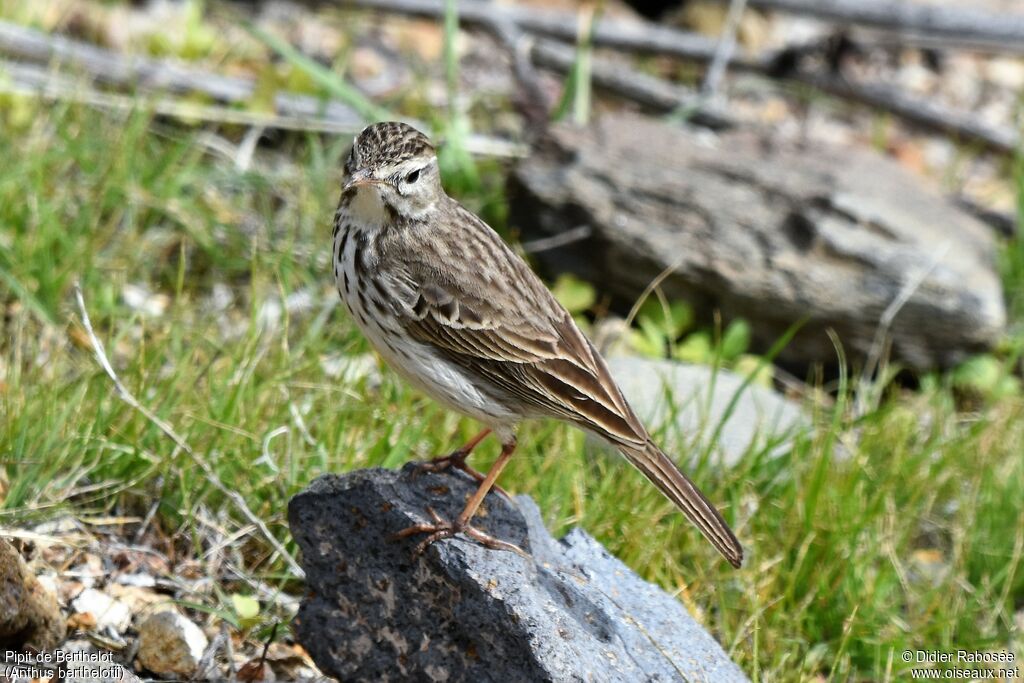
[769,231]
[462,612]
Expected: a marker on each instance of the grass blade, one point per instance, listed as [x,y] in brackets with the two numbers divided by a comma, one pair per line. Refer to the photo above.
[331,82]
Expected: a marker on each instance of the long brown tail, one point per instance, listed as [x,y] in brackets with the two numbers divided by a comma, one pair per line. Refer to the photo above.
[678,488]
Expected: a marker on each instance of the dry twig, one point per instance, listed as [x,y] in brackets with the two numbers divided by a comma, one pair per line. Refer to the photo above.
[577,234]
[726,48]
[880,342]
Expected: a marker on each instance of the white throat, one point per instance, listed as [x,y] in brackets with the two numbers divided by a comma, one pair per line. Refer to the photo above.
[367,208]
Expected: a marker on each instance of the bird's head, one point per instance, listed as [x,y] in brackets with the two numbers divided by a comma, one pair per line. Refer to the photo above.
[391,172]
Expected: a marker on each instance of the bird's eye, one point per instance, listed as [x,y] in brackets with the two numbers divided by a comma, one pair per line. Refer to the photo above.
[413,176]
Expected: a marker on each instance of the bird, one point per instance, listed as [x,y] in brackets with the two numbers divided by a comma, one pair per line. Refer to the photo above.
[461,317]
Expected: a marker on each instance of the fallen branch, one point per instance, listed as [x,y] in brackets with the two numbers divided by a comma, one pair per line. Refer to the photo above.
[292,111]
[961,124]
[898,40]
[644,37]
[631,36]
[179,441]
[28,79]
[123,71]
[508,22]
[622,81]
[307,113]
[35,81]
[957,23]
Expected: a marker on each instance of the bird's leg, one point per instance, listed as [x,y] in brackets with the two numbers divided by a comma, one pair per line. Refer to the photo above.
[444,529]
[457,459]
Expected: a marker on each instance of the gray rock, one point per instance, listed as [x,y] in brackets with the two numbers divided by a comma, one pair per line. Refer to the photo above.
[765,230]
[685,403]
[90,664]
[462,612]
[170,645]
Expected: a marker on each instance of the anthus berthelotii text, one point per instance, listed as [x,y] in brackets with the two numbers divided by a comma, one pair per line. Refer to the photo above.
[463,318]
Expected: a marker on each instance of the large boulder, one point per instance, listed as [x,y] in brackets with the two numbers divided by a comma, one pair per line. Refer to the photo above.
[462,612]
[766,230]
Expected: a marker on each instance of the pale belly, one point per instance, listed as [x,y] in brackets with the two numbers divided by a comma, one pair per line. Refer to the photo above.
[418,363]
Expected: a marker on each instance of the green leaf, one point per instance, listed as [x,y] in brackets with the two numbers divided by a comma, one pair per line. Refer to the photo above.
[246,606]
[673,320]
[645,345]
[696,348]
[736,339]
[200,37]
[980,373]
[575,294]
[750,366]
[1009,385]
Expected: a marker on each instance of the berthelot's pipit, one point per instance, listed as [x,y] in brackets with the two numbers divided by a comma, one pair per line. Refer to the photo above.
[463,318]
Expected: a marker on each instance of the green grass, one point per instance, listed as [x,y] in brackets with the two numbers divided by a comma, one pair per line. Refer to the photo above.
[913,540]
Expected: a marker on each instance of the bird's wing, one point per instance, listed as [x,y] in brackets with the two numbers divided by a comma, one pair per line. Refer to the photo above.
[486,311]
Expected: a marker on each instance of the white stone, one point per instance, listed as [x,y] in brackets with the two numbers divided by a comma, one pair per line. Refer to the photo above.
[140,299]
[170,645]
[108,612]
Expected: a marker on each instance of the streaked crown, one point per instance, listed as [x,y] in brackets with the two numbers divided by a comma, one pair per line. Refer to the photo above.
[388,144]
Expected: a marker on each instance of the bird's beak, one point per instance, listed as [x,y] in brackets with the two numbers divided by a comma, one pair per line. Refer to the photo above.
[361,179]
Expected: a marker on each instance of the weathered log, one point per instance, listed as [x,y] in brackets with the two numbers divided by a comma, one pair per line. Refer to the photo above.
[768,231]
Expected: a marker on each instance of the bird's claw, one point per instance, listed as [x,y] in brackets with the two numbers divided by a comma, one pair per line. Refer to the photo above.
[457,460]
[441,528]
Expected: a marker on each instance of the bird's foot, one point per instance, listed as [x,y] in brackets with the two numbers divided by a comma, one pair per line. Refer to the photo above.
[457,460]
[441,528]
